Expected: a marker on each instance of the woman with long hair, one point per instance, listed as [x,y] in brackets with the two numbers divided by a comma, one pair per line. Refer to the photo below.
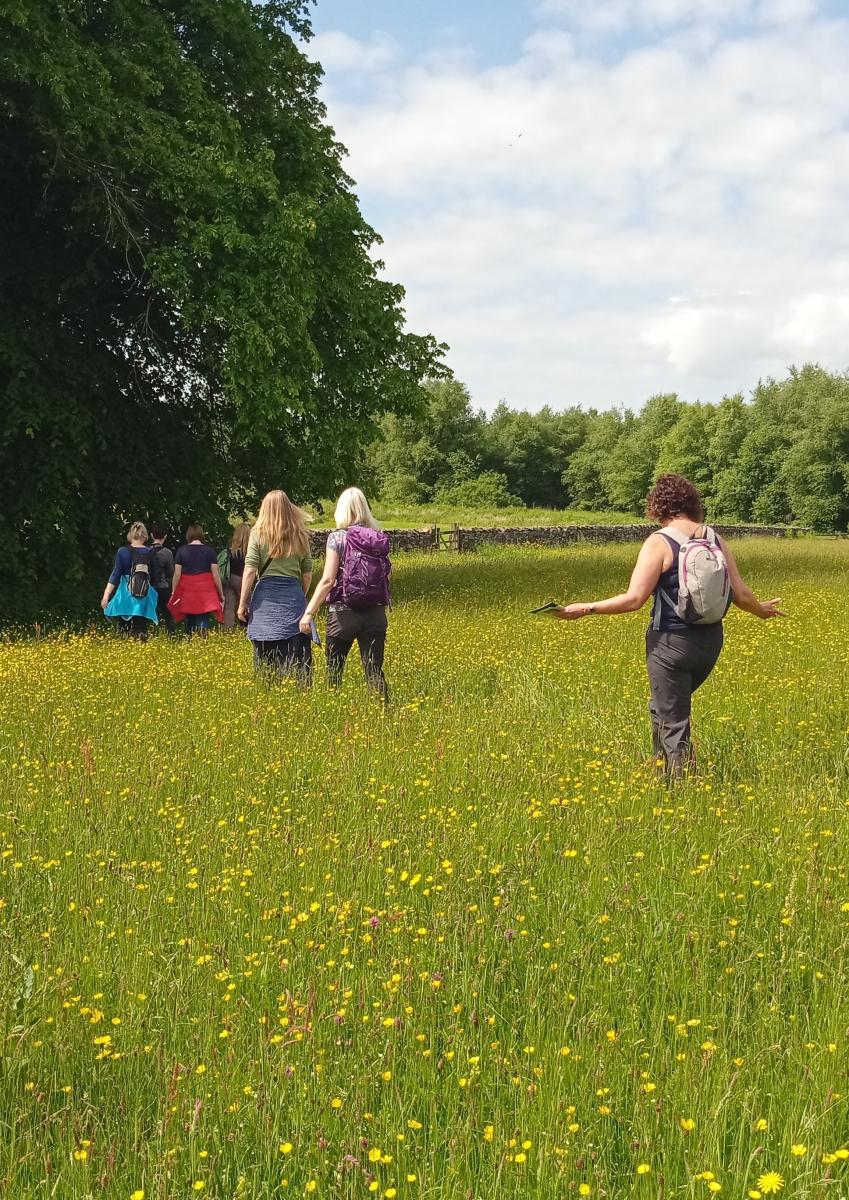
[682,647]
[276,578]
[197,592]
[356,585]
[235,552]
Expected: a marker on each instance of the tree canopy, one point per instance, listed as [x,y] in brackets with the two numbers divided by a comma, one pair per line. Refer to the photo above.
[189,307]
[782,456]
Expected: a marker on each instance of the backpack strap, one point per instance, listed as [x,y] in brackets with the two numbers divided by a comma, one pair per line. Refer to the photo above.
[660,595]
[675,539]
[674,535]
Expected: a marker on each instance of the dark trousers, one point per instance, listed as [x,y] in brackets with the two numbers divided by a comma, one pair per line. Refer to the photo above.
[286,656]
[163,595]
[135,627]
[197,623]
[678,664]
[366,627]
[232,595]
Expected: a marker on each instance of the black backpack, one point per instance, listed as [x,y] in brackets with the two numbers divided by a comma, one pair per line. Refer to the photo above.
[140,563]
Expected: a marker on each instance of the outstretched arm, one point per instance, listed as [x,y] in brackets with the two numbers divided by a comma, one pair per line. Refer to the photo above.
[743,596]
[644,579]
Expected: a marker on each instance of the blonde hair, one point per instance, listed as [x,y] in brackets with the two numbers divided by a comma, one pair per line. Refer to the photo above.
[137,532]
[352,508]
[239,540]
[281,526]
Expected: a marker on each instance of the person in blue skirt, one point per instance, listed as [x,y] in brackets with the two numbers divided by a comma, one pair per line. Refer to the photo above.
[129,596]
[276,578]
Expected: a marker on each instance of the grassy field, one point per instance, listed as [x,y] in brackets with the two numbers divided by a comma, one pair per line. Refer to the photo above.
[420,516]
[260,944]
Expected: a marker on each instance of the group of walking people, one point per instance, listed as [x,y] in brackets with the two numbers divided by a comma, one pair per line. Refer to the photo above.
[263,579]
[685,565]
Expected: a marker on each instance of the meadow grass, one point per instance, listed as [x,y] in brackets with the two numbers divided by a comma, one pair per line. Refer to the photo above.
[257,943]
[420,516]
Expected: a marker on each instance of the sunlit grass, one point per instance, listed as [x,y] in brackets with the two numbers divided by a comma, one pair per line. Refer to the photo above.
[257,943]
[419,516]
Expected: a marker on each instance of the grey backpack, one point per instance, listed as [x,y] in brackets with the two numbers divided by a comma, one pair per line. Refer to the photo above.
[704,584]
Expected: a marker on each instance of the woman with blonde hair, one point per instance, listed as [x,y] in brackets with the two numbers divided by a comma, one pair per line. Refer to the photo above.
[235,563]
[356,585]
[129,595]
[276,578]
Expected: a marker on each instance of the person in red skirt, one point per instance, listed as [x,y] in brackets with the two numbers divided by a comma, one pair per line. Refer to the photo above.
[197,593]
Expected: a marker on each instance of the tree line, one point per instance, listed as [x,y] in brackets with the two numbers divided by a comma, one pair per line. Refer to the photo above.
[778,457]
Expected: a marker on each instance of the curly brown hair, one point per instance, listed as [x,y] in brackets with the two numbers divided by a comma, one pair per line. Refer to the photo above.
[674,496]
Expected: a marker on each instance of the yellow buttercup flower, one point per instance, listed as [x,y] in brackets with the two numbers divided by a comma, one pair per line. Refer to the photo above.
[769,1183]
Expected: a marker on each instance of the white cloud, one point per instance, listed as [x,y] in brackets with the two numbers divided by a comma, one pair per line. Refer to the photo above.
[338,52]
[542,214]
[606,17]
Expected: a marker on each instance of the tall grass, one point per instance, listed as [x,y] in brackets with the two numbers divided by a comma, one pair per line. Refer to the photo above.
[256,943]
[418,516]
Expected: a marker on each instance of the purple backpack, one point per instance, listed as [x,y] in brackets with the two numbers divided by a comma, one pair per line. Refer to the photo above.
[365,568]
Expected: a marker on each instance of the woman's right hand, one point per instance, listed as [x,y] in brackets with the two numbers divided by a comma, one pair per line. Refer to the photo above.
[242,613]
[769,609]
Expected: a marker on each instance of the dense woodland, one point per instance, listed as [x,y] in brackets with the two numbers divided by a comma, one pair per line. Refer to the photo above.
[781,456]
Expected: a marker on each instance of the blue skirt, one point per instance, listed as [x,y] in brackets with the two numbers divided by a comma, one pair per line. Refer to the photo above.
[277,605]
[124,604]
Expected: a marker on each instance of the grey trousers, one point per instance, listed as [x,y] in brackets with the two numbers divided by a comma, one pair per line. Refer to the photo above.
[678,664]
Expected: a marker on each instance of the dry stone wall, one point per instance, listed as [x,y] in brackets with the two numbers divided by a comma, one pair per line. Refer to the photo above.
[566,535]
[550,535]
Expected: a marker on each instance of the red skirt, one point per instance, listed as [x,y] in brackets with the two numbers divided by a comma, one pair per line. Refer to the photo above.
[195,594]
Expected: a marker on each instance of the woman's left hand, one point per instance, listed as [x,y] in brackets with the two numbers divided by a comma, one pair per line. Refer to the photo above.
[572,612]
[242,613]
[305,624]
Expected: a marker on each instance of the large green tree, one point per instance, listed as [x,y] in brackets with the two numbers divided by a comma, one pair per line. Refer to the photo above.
[532,450]
[628,473]
[189,307]
[435,446]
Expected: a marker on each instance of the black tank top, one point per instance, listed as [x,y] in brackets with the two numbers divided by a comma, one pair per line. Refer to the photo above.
[669,619]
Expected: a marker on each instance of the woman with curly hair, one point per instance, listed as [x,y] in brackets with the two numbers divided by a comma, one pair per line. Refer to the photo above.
[680,652]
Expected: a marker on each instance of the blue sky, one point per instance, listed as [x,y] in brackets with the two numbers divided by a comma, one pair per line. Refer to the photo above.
[491,31]
[593,201]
